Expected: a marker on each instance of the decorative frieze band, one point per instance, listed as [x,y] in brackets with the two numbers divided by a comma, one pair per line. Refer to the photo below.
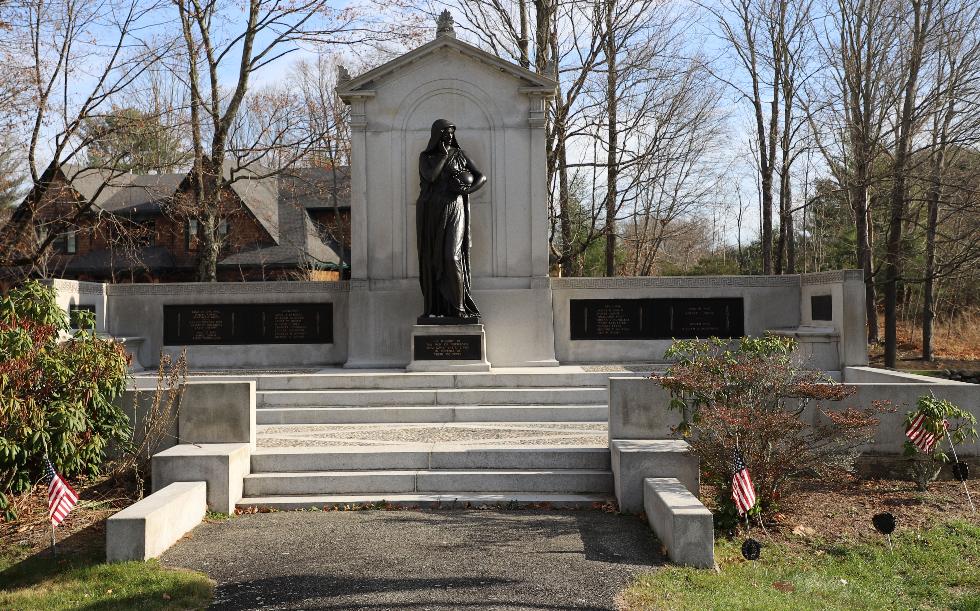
[76,286]
[641,282]
[228,288]
[839,275]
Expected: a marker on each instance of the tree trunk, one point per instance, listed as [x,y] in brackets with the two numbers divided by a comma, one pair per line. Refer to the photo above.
[898,203]
[612,171]
[522,43]
[568,266]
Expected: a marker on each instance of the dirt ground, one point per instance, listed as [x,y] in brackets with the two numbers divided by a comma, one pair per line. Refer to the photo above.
[833,511]
[98,499]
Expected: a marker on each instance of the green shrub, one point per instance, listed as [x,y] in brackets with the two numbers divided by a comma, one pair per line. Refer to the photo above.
[57,387]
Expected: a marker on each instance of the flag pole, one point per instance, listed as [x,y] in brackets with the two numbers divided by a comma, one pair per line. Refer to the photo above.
[956,460]
[47,462]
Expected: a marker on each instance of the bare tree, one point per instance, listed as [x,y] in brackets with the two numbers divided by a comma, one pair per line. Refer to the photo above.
[771,40]
[269,30]
[916,30]
[79,57]
[848,112]
[955,126]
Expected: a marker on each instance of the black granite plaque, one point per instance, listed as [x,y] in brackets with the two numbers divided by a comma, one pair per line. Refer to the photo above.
[703,318]
[646,319]
[607,318]
[821,307]
[235,324]
[447,348]
[74,319]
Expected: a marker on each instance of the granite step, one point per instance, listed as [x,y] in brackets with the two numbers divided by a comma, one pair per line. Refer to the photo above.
[422,397]
[456,500]
[451,456]
[388,379]
[431,414]
[408,381]
[429,481]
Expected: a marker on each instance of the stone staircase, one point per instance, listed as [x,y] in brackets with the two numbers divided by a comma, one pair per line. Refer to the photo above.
[424,439]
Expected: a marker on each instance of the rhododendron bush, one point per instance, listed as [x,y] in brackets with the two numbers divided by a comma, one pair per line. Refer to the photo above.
[754,394]
[57,387]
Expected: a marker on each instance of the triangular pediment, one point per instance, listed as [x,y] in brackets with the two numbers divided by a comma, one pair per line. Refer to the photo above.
[367,82]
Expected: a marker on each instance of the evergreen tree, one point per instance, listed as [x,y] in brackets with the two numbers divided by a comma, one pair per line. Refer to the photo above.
[132,140]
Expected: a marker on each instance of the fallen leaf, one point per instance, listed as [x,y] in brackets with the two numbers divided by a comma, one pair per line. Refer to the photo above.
[803,531]
[783,586]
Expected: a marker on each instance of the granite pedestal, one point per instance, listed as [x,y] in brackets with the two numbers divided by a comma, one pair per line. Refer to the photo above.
[452,347]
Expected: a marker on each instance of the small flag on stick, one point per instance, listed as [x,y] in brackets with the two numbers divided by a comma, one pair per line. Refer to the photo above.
[61,498]
[743,492]
[920,436]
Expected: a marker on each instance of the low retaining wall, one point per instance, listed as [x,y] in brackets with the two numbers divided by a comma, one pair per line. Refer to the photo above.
[528,319]
[206,412]
[639,407]
[148,528]
[769,302]
[681,522]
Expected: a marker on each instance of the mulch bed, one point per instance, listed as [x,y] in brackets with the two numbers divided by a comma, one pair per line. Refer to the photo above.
[833,511]
[99,499]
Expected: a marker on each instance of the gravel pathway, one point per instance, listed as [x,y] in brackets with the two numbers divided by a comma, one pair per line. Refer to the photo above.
[493,434]
[439,560]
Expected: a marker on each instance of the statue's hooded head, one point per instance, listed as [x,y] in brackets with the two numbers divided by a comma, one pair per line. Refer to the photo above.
[438,127]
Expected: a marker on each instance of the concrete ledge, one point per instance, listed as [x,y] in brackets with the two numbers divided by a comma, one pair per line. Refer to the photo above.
[148,528]
[639,408]
[218,412]
[681,522]
[634,460]
[877,375]
[222,465]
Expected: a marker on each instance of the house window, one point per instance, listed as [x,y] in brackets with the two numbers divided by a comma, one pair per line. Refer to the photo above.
[71,243]
[190,235]
[223,227]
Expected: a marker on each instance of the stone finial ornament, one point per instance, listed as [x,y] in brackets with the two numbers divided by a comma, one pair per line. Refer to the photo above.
[343,76]
[444,25]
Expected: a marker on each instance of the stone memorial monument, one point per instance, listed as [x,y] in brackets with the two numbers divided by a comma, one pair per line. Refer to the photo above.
[413,226]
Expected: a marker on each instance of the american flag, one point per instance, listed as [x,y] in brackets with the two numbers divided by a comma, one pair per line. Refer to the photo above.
[743,492]
[920,436]
[61,498]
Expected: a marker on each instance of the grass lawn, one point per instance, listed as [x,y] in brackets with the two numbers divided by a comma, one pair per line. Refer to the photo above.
[937,568]
[79,578]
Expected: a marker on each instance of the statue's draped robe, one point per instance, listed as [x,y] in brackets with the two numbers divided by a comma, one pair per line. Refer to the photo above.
[443,231]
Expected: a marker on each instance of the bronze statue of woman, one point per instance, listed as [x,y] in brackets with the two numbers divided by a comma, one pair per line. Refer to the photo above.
[442,218]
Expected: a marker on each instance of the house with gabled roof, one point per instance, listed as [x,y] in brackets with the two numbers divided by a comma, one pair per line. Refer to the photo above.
[136,228]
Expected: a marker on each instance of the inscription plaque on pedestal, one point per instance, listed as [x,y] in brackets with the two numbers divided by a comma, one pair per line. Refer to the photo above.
[647,319]
[235,324]
[447,348]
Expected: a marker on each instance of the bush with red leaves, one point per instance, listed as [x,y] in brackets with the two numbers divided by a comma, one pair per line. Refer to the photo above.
[756,396]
